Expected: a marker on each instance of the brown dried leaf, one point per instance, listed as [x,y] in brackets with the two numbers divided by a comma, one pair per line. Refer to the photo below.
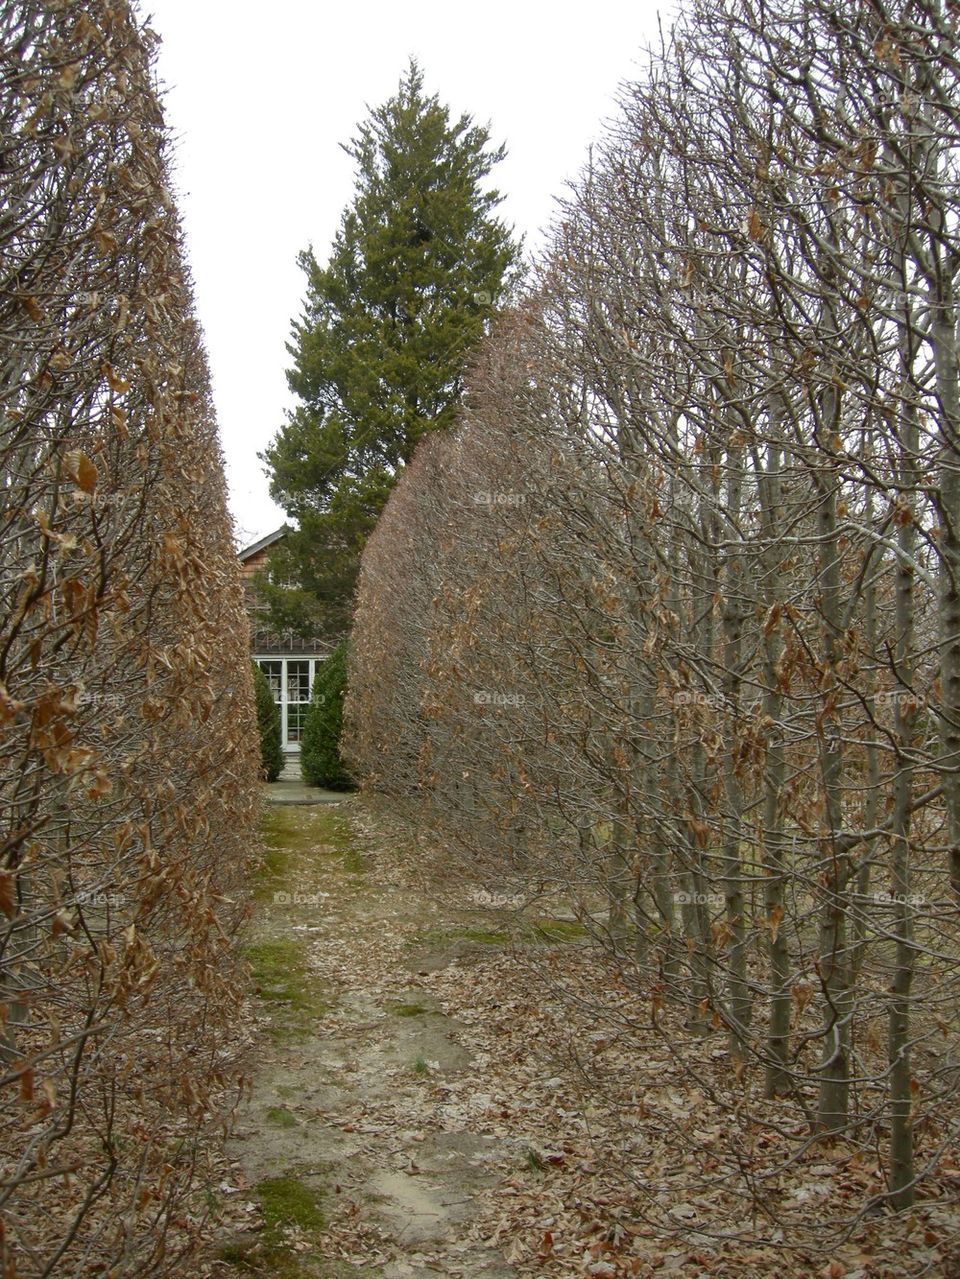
[81,470]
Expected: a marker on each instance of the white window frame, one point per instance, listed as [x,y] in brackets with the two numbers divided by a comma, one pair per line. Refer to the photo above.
[290,748]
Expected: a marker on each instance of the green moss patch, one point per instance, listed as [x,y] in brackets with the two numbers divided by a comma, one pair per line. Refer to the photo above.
[408,1010]
[280,970]
[285,1201]
[285,982]
[280,1117]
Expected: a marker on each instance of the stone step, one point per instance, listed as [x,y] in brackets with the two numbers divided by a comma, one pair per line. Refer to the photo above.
[291,768]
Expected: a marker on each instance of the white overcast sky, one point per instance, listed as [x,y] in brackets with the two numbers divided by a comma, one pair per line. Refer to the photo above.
[260,95]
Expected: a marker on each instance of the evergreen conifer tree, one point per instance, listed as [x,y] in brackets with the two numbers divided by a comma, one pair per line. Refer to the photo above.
[416,269]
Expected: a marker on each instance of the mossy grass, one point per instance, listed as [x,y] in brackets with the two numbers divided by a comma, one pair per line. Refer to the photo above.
[408,1010]
[296,842]
[288,1201]
[280,970]
[280,1117]
[286,984]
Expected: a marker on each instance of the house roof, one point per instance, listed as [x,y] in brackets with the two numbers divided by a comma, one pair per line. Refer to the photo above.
[263,543]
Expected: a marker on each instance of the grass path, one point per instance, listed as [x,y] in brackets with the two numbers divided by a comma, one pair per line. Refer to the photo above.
[360,1150]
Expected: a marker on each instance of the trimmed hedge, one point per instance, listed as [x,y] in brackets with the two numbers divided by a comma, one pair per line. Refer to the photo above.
[320,759]
[268,722]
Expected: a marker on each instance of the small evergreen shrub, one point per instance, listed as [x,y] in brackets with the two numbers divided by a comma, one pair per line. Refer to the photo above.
[268,722]
[320,759]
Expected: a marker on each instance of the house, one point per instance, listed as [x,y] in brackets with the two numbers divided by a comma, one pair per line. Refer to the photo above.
[289,661]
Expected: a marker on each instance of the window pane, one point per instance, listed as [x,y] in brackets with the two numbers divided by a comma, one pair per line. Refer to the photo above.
[298,681]
[274,674]
[296,714]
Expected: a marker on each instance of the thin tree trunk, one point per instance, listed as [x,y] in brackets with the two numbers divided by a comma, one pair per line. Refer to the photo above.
[735,904]
[778,1080]
[871,806]
[834,961]
[898,1030]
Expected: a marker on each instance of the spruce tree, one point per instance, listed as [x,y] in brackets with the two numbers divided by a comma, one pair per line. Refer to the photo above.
[417,266]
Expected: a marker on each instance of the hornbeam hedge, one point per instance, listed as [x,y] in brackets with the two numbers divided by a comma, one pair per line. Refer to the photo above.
[128,749]
[669,625]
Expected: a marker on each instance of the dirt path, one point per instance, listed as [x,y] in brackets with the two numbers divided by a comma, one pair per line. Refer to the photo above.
[427,1099]
[366,1138]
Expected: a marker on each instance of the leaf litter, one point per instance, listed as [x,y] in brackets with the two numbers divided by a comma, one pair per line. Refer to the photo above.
[510,1119]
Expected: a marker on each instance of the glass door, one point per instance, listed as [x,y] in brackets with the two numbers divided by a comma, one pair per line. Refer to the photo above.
[298,698]
[290,680]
